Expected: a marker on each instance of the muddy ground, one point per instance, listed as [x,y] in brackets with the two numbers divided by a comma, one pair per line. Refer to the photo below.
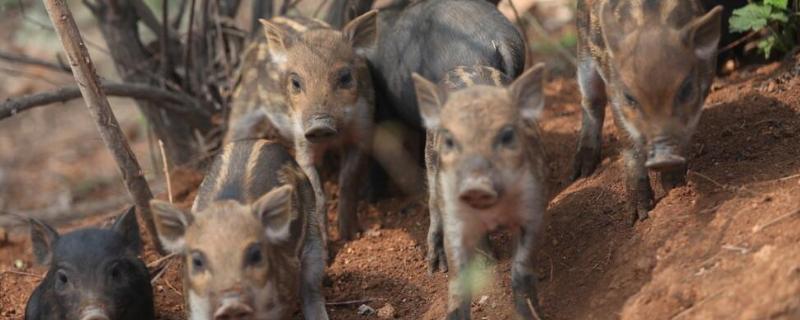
[722,247]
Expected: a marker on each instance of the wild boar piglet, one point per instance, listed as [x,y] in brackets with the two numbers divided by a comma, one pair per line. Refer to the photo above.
[94,274]
[486,168]
[655,61]
[308,84]
[251,244]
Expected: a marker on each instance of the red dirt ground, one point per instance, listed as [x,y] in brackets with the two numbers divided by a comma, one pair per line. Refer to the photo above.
[722,247]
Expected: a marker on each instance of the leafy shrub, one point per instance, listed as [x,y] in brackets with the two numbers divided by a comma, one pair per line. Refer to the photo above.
[775,17]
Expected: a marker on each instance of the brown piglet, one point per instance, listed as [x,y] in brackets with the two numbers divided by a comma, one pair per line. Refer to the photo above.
[486,168]
[308,86]
[654,61]
[251,243]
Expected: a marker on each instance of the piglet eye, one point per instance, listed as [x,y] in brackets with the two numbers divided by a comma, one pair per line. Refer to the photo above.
[198,262]
[115,273]
[345,78]
[449,143]
[253,255]
[295,83]
[686,92]
[507,137]
[630,100]
[61,280]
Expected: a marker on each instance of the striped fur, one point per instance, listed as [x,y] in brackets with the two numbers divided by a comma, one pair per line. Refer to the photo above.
[654,61]
[232,213]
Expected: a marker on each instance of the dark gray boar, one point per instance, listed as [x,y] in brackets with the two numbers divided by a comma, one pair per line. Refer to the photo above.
[655,62]
[309,85]
[486,168]
[251,244]
[433,37]
[94,274]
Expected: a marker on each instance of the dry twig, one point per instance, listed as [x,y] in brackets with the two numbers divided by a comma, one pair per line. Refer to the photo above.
[776,220]
[18,58]
[176,101]
[86,76]
[349,302]
[166,170]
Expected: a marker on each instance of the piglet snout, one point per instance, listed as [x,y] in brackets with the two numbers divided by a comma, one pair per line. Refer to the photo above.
[320,128]
[94,313]
[478,193]
[233,308]
[663,156]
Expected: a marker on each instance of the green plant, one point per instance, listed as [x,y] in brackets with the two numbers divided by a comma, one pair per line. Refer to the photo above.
[775,17]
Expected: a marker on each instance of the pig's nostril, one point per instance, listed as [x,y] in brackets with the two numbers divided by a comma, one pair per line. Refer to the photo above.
[320,133]
[661,162]
[94,314]
[233,311]
[478,198]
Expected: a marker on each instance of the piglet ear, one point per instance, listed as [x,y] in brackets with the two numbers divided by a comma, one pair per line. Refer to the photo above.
[613,31]
[43,240]
[171,224]
[127,226]
[430,99]
[703,34]
[276,38]
[363,30]
[528,93]
[274,209]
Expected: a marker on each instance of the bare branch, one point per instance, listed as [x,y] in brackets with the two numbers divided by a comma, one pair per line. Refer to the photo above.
[175,101]
[18,58]
[86,75]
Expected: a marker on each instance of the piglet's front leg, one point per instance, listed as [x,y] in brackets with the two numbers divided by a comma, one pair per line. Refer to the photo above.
[523,278]
[640,193]
[460,255]
[354,165]
[306,157]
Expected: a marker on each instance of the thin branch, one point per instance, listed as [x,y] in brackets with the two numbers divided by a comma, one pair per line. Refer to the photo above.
[740,41]
[148,17]
[322,3]
[165,65]
[166,170]
[176,24]
[86,75]
[537,26]
[776,220]
[187,54]
[18,58]
[20,273]
[530,306]
[348,303]
[178,102]
[523,30]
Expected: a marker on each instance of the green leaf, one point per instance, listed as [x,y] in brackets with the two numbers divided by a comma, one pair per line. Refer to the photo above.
[781,4]
[767,45]
[779,16]
[750,17]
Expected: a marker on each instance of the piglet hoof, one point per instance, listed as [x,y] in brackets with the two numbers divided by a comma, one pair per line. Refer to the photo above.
[458,314]
[673,179]
[586,162]
[640,210]
[349,233]
[436,259]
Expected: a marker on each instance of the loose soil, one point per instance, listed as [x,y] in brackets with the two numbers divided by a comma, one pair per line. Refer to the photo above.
[722,247]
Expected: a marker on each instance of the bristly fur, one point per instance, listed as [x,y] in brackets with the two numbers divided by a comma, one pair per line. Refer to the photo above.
[654,61]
